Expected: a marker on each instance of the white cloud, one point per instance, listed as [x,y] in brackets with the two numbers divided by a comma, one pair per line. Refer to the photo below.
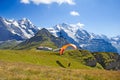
[37,2]
[74,13]
[78,25]
[25,1]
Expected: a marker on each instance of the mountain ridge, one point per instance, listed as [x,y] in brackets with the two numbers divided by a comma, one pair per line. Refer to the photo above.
[42,38]
[24,29]
[16,29]
[82,38]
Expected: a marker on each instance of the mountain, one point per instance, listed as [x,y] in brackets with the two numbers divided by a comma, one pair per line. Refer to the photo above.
[42,38]
[18,30]
[9,44]
[116,42]
[24,29]
[82,38]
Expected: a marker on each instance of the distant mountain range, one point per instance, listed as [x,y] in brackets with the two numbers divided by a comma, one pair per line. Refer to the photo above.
[24,30]
[84,39]
[19,30]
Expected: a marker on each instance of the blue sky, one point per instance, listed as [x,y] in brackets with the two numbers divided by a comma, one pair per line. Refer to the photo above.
[98,16]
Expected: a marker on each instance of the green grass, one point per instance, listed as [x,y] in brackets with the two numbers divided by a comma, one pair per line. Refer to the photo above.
[47,65]
[25,71]
[46,58]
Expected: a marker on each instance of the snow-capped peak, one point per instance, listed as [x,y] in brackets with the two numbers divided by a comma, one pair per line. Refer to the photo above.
[61,26]
[25,21]
[116,38]
[78,25]
[22,28]
[72,31]
[70,27]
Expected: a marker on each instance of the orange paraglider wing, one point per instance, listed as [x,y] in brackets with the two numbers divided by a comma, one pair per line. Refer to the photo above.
[65,46]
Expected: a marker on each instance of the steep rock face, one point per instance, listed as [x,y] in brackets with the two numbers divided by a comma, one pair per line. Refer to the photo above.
[99,45]
[5,33]
[88,58]
[82,38]
[91,62]
[116,42]
[63,34]
[118,61]
[18,30]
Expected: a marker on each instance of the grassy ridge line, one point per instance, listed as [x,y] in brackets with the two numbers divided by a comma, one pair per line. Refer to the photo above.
[45,58]
[25,71]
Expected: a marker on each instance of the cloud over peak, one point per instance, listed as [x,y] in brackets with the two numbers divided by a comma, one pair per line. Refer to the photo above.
[80,25]
[74,13]
[25,1]
[37,2]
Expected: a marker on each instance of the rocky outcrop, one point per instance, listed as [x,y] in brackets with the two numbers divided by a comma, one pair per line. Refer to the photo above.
[91,62]
[83,56]
[108,60]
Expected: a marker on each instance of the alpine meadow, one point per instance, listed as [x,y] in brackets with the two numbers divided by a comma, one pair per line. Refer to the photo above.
[59,40]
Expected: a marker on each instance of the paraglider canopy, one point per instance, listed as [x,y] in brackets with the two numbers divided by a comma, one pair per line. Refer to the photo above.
[65,46]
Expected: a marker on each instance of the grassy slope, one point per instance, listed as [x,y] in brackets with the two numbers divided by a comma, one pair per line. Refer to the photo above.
[32,45]
[37,65]
[45,58]
[8,44]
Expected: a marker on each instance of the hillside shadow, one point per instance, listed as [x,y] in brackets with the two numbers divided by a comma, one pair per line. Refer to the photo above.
[60,64]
